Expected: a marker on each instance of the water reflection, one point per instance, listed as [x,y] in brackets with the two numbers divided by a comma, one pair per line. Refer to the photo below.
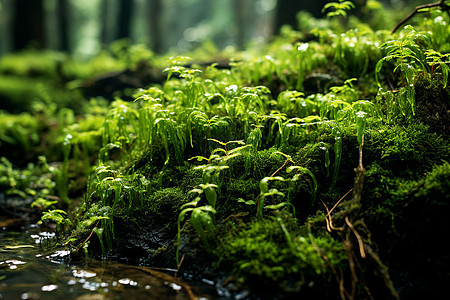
[27,273]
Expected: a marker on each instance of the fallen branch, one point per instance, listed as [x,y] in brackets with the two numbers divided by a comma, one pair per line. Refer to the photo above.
[440,4]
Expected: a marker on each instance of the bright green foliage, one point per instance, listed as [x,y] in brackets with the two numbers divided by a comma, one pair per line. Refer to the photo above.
[337,154]
[201,220]
[293,104]
[356,51]
[266,192]
[115,189]
[99,219]
[437,184]
[400,149]
[410,57]
[37,182]
[338,8]
[440,29]
[290,62]
[438,62]
[19,131]
[408,54]
[63,178]
[59,217]
[120,124]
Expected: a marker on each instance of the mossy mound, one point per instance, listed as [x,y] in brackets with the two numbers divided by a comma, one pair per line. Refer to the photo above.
[312,185]
[292,253]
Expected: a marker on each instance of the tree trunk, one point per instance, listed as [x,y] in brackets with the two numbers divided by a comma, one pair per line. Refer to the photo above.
[240,13]
[28,24]
[62,10]
[154,10]
[104,15]
[125,18]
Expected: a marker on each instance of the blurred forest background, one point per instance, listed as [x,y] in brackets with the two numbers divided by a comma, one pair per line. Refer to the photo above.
[84,27]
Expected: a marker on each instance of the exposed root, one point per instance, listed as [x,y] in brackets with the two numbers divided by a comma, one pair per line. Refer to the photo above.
[383,271]
[352,239]
[358,237]
[342,198]
[328,219]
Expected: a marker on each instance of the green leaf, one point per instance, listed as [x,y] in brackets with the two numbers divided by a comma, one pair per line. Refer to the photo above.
[276,206]
[42,203]
[360,125]
[307,171]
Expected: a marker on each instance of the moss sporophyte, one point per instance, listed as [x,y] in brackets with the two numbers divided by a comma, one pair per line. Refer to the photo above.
[245,173]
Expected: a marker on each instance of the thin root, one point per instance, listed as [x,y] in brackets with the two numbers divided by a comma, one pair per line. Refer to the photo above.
[358,237]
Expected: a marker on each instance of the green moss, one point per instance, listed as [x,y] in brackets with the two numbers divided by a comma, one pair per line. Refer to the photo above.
[19,135]
[432,103]
[165,203]
[437,184]
[406,151]
[266,252]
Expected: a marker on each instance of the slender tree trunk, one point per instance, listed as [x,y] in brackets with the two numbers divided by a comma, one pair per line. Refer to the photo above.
[62,10]
[154,9]
[125,18]
[240,13]
[104,40]
[28,24]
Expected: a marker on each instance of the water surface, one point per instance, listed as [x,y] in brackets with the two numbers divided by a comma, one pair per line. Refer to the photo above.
[29,271]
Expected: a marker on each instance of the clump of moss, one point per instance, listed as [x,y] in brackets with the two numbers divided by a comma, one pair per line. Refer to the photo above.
[276,252]
[432,107]
[407,151]
[19,133]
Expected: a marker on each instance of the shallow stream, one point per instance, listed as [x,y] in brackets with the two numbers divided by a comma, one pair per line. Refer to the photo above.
[29,271]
